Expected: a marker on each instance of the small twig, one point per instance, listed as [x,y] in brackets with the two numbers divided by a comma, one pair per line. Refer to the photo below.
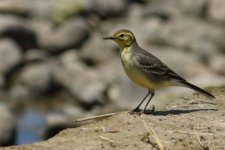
[189,133]
[200,143]
[155,136]
[112,143]
[103,129]
[97,117]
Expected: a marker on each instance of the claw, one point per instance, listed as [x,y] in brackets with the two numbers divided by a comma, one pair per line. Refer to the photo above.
[149,111]
[136,111]
[152,108]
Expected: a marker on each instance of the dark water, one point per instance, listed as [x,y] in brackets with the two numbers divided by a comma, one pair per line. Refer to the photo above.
[30,127]
[31,120]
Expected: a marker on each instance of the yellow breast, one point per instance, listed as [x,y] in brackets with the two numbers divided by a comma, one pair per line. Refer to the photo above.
[135,74]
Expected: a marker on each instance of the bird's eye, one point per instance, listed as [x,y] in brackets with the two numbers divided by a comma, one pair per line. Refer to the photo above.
[121,35]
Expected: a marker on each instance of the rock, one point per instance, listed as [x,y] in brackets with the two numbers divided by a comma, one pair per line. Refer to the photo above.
[95,52]
[56,122]
[161,9]
[34,55]
[110,70]
[83,83]
[26,8]
[64,9]
[2,82]
[10,56]
[36,78]
[18,93]
[7,126]
[24,37]
[13,7]
[216,10]
[172,8]
[40,9]
[69,35]
[59,120]
[14,28]
[207,79]
[217,63]
[8,21]
[188,33]
[105,8]
[193,7]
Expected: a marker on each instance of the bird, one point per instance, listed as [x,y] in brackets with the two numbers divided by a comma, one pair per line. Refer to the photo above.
[145,69]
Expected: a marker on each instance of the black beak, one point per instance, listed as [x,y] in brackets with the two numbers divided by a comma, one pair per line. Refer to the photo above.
[109,38]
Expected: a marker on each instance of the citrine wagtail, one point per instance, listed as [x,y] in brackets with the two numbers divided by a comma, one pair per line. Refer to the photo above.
[145,69]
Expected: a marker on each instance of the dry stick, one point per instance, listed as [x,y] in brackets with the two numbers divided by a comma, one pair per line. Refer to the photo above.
[106,139]
[97,117]
[200,143]
[189,133]
[155,136]
[112,143]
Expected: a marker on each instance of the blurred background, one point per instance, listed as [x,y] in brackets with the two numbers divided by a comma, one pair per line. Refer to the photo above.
[55,67]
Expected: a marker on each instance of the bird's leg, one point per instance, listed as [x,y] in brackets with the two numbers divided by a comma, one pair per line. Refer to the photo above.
[150,98]
[137,108]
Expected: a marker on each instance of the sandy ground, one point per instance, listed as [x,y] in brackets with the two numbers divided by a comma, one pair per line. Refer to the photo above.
[193,122]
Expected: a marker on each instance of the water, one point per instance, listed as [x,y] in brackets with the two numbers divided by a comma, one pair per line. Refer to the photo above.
[30,127]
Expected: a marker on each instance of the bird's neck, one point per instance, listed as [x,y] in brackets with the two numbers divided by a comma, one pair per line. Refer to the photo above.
[128,48]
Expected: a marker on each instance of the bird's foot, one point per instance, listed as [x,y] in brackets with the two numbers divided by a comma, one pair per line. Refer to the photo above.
[136,111]
[149,111]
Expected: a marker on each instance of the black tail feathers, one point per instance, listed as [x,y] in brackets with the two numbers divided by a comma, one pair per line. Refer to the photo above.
[198,89]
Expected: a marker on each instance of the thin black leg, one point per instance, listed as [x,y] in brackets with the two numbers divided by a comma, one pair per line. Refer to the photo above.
[150,98]
[137,108]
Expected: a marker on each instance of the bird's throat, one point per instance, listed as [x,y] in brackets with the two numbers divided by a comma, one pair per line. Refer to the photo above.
[125,54]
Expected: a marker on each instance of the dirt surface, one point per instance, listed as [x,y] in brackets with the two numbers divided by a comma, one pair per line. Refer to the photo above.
[193,122]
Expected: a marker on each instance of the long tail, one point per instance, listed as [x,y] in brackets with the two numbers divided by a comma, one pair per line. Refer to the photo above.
[192,86]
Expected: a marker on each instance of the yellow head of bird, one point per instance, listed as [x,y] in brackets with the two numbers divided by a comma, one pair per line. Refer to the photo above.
[124,38]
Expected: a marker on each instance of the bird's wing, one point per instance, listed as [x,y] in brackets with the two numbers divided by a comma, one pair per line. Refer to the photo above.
[153,66]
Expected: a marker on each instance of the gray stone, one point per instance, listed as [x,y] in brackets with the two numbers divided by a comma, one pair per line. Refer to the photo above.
[96,50]
[82,82]
[217,63]
[36,9]
[105,8]
[217,11]
[166,9]
[10,55]
[18,94]
[15,28]
[2,82]
[36,78]
[40,9]
[34,55]
[69,35]
[57,10]
[7,126]
[8,21]
[110,70]
[64,118]
[13,7]
[65,9]
[188,33]
[161,8]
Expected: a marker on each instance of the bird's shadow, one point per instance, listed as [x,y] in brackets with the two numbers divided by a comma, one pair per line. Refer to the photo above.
[175,112]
